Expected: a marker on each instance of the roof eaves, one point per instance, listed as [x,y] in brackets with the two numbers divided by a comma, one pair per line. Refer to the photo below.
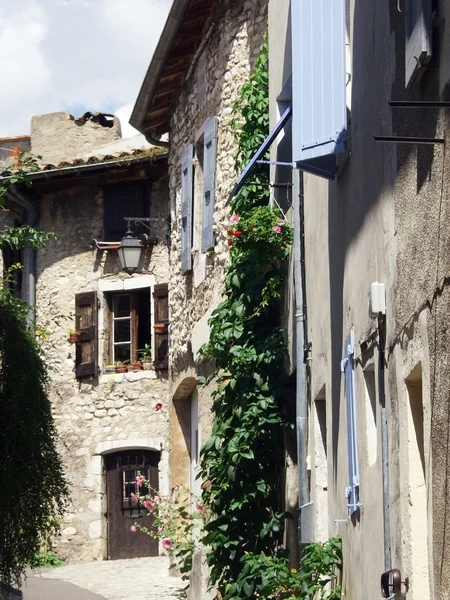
[152,77]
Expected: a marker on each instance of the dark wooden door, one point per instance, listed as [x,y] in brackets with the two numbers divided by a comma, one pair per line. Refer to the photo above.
[122,512]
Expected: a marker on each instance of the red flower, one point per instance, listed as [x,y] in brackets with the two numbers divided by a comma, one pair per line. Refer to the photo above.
[237,232]
[230,242]
[158,406]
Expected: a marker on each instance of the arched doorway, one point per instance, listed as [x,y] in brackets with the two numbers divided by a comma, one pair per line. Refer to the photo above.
[122,512]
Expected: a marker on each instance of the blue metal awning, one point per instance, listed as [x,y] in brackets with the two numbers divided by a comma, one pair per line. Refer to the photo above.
[261,151]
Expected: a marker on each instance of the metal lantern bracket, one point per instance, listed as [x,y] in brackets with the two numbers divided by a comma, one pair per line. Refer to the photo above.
[145,239]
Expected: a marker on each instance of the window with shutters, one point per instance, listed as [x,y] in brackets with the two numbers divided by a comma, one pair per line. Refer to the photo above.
[348,369]
[198,171]
[125,199]
[418,31]
[130,324]
[319,122]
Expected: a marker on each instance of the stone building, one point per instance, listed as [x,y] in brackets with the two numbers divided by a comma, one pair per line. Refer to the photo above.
[205,55]
[372,213]
[112,426]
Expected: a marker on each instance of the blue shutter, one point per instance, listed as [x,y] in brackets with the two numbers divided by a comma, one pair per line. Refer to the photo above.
[209,177]
[319,125]
[417,39]
[186,208]
[348,368]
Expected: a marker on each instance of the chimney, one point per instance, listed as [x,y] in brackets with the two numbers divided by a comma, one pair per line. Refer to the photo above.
[59,136]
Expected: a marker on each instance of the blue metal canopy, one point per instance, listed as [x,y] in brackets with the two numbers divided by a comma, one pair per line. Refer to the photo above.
[261,151]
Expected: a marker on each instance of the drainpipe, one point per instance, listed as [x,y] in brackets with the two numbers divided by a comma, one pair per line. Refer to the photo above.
[152,139]
[384,443]
[20,199]
[305,524]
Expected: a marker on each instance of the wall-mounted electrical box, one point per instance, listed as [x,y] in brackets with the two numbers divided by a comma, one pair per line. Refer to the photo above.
[377,299]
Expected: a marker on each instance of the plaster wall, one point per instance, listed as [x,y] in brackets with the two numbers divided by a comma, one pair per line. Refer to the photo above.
[384,219]
[97,415]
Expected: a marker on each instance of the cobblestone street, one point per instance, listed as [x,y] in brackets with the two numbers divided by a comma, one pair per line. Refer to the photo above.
[134,579]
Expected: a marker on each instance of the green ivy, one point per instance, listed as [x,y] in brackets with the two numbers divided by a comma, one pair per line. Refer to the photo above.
[243,459]
[34,493]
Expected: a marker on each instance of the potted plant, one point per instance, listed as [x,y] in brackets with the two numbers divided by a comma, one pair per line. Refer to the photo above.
[137,366]
[74,336]
[145,354]
[110,369]
[121,366]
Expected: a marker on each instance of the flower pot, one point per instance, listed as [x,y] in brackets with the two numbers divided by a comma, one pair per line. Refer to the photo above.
[121,369]
[74,337]
[110,369]
[130,368]
[137,367]
[160,328]
[147,365]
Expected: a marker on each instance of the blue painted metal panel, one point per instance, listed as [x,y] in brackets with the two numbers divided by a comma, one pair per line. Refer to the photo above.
[348,368]
[261,151]
[319,127]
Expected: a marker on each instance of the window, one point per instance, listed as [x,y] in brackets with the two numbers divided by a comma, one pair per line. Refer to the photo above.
[417,39]
[129,199]
[348,368]
[198,170]
[130,320]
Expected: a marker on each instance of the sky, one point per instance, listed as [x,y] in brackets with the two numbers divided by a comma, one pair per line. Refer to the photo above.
[75,56]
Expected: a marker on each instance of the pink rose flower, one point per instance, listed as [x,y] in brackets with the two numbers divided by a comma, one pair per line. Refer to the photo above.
[281,222]
[176,487]
[134,497]
[133,528]
[140,480]
[234,219]
[149,505]
[160,529]
[157,499]
[200,507]
[167,543]
[277,229]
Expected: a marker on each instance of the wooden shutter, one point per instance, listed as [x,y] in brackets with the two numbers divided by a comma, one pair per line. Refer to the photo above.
[128,199]
[417,39]
[348,368]
[161,325]
[86,323]
[319,122]
[186,208]
[209,182]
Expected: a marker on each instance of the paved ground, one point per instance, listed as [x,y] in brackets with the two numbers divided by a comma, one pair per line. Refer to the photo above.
[134,579]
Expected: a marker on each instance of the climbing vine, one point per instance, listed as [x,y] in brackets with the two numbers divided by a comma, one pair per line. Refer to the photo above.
[34,492]
[242,459]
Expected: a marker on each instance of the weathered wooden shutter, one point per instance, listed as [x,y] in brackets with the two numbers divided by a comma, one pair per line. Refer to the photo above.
[319,122]
[86,323]
[348,368]
[161,325]
[209,182]
[186,208]
[127,199]
[417,39]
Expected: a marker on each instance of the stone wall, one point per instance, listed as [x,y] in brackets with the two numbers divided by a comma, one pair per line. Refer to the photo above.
[58,136]
[230,55]
[101,414]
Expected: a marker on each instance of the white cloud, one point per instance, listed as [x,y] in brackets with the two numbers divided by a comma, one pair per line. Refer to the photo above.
[74,55]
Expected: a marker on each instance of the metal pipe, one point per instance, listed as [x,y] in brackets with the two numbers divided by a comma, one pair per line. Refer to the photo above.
[153,139]
[384,445]
[31,252]
[300,333]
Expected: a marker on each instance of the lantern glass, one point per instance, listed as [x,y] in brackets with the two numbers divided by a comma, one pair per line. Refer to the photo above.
[130,253]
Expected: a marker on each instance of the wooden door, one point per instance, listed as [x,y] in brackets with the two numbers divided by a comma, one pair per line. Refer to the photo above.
[121,471]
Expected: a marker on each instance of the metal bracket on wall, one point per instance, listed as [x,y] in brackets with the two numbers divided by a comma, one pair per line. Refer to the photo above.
[413,104]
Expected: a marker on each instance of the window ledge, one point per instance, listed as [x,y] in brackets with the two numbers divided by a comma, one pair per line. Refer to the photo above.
[129,377]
